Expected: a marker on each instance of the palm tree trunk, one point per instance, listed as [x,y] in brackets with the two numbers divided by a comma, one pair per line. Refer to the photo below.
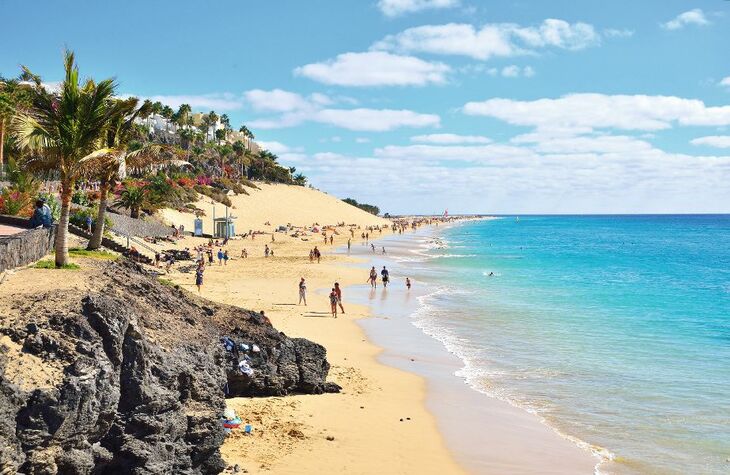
[62,228]
[95,241]
[2,148]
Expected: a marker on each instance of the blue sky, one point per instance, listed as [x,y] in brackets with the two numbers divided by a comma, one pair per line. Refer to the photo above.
[423,105]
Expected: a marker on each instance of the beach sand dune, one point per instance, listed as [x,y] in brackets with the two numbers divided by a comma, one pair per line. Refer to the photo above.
[279,205]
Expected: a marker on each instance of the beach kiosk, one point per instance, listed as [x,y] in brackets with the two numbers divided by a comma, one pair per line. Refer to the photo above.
[223,227]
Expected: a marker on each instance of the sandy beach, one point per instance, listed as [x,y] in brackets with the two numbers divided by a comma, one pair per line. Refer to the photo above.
[381,422]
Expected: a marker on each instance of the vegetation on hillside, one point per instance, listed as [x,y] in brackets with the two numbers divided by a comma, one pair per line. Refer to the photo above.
[80,135]
[363,206]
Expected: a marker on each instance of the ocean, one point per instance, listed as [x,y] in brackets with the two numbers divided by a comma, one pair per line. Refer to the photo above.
[615,330]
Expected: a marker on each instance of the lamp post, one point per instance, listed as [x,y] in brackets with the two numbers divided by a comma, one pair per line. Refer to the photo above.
[213,203]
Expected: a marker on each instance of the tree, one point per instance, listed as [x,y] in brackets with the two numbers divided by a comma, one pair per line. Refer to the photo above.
[246,133]
[205,126]
[13,96]
[120,135]
[63,132]
[212,121]
[300,179]
[132,198]
[167,113]
[220,135]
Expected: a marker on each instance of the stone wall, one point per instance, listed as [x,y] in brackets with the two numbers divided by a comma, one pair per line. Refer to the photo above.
[26,246]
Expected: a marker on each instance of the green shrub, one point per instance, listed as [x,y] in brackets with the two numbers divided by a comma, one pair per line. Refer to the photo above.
[214,194]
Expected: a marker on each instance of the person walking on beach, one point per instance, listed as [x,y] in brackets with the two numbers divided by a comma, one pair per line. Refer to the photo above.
[333,303]
[199,278]
[225,257]
[244,254]
[338,292]
[372,246]
[408,283]
[373,279]
[385,276]
[302,292]
[311,255]
[349,244]
[266,251]
[383,249]
[332,239]
[220,257]
[317,254]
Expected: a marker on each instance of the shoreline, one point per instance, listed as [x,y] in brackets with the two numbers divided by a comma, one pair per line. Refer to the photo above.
[431,358]
[369,422]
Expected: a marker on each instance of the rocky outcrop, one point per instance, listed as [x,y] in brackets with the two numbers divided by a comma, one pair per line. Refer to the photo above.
[143,381]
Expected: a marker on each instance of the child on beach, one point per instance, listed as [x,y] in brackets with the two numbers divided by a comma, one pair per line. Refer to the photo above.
[333,303]
[220,257]
[302,292]
[349,244]
[199,277]
[225,257]
[338,292]
[266,251]
[244,254]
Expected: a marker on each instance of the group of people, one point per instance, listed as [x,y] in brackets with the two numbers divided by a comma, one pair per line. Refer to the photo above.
[335,297]
[315,254]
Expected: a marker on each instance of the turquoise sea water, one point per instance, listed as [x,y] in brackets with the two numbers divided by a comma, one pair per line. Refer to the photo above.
[614,329]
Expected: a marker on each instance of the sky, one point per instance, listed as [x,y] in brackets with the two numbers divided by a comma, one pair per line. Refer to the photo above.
[418,106]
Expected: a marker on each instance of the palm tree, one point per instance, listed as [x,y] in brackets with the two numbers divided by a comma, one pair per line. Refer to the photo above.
[132,198]
[205,126]
[212,119]
[167,113]
[13,96]
[63,132]
[119,135]
[246,132]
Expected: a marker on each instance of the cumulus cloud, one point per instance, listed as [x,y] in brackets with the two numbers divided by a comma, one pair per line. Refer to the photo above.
[375,68]
[393,8]
[278,100]
[717,141]
[450,139]
[691,17]
[600,174]
[725,82]
[274,147]
[600,111]
[491,40]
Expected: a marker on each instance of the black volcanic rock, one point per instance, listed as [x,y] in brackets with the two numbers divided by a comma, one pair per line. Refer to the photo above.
[144,378]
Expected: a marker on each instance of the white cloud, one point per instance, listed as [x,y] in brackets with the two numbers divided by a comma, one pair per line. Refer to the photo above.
[600,111]
[218,102]
[375,68]
[393,8]
[362,140]
[278,100]
[375,120]
[691,17]
[503,178]
[725,82]
[274,147]
[618,33]
[491,40]
[717,141]
[514,71]
[450,139]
